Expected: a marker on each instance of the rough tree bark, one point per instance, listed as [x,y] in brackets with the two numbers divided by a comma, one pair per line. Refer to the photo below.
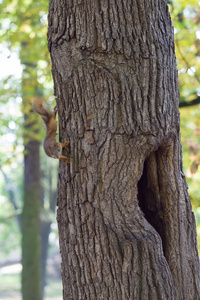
[126,226]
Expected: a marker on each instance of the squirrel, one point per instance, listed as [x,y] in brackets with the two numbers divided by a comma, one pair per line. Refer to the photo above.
[51,147]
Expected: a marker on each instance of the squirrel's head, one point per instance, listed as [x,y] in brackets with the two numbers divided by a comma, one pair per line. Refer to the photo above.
[53,150]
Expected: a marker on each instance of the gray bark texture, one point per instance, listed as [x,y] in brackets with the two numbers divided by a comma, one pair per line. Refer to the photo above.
[125,222]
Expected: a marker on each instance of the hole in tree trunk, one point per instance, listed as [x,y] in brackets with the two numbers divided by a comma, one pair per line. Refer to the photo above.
[149,195]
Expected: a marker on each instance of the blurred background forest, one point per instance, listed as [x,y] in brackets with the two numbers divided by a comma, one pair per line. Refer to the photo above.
[25,73]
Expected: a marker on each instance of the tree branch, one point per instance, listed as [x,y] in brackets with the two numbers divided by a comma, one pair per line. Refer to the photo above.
[190,103]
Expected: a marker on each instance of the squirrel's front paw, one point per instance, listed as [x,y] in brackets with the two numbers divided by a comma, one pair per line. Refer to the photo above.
[65,144]
[64,158]
[55,109]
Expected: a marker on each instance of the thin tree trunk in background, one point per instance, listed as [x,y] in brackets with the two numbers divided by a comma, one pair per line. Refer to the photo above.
[31,242]
[46,225]
[125,222]
[31,273]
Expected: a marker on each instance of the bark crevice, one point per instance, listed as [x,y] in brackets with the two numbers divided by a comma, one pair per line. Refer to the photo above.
[158,189]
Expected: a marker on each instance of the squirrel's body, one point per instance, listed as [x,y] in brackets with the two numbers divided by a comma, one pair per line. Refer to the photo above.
[51,147]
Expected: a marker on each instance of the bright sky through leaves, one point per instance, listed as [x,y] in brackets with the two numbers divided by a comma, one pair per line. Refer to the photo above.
[9,63]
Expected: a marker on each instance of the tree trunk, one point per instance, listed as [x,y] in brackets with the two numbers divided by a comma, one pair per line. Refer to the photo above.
[46,225]
[31,242]
[125,222]
[31,273]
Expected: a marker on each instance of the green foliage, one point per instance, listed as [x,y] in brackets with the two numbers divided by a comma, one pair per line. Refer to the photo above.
[186,16]
[186,22]
[10,121]
[190,135]
[23,29]
[9,229]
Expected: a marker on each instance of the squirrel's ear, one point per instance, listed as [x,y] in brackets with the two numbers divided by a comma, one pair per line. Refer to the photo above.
[49,147]
[55,143]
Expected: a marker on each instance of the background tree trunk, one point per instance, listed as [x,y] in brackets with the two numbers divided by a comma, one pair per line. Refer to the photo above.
[46,222]
[126,226]
[31,273]
[31,240]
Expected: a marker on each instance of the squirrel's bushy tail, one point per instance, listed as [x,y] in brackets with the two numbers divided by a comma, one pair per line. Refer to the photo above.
[42,109]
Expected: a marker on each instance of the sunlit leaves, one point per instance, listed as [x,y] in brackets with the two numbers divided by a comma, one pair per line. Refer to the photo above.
[23,29]
[185,16]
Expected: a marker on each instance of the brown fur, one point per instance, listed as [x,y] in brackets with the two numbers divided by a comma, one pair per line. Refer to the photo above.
[51,147]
